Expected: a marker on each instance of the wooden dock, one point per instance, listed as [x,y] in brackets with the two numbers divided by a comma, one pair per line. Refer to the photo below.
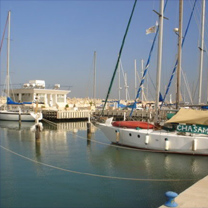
[66,115]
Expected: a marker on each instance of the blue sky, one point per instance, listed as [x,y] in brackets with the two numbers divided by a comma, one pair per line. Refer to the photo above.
[55,41]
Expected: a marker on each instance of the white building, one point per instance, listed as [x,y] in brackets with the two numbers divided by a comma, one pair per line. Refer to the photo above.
[35,89]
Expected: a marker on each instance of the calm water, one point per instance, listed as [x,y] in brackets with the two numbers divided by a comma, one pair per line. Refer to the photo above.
[67,170]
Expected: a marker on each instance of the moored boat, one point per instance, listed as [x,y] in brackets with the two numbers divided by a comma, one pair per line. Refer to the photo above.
[184,133]
[191,137]
[6,115]
[7,112]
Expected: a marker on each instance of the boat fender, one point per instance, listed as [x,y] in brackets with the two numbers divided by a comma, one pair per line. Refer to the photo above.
[194,145]
[117,136]
[147,139]
[167,144]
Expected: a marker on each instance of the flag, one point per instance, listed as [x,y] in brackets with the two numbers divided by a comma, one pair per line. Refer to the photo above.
[151,30]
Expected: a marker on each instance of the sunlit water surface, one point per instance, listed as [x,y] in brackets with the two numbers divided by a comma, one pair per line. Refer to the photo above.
[67,169]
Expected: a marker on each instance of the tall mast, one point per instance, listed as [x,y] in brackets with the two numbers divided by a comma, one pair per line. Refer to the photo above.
[8,53]
[126,85]
[201,50]
[178,85]
[94,86]
[207,85]
[119,81]
[142,65]
[119,56]
[135,77]
[159,59]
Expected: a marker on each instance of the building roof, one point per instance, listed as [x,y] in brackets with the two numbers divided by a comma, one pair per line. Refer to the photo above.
[41,91]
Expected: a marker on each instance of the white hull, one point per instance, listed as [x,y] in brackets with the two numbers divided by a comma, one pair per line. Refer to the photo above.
[157,141]
[14,116]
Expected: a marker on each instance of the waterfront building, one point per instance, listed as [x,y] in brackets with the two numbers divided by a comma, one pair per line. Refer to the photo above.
[35,90]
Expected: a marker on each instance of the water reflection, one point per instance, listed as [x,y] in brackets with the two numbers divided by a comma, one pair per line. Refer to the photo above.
[73,127]
[139,164]
[66,146]
[16,125]
[38,150]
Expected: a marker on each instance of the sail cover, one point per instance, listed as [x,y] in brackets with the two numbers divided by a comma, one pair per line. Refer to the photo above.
[190,116]
[11,102]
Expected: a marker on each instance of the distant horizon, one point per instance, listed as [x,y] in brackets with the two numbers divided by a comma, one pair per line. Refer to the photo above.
[55,41]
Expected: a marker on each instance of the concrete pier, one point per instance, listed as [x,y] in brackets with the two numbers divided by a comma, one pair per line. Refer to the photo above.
[195,196]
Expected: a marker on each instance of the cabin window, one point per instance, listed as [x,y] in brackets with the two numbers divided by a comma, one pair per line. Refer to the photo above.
[129,134]
[138,136]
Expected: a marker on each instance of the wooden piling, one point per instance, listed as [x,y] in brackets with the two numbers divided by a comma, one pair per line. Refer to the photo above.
[37,132]
[20,119]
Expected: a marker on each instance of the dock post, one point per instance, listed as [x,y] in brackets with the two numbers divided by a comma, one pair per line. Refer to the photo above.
[37,133]
[171,199]
[89,128]
[20,119]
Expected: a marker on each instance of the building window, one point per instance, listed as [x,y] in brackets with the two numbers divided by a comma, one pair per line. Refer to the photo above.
[26,97]
[60,98]
[41,98]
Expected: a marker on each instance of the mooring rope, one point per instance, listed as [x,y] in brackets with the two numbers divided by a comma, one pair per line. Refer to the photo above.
[92,174]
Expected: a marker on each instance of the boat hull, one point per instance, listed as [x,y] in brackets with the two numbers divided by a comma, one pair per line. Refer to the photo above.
[156,141]
[15,116]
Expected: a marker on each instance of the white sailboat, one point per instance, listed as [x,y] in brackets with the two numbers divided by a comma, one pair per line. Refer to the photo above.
[189,128]
[14,111]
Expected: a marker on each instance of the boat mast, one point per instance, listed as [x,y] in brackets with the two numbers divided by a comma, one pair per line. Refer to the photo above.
[135,77]
[126,85]
[119,57]
[8,53]
[94,85]
[142,65]
[201,48]
[178,85]
[119,81]
[207,86]
[159,59]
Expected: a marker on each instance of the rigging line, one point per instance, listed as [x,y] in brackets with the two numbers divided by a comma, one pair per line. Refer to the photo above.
[197,83]
[197,19]
[152,81]
[119,56]
[92,174]
[187,85]
[4,33]
[176,63]
[147,65]
[125,81]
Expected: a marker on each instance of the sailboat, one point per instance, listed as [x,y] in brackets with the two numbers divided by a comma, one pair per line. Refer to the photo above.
[185,133]
[14,111]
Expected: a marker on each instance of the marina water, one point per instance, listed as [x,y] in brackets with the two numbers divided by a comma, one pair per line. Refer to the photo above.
[68,169]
